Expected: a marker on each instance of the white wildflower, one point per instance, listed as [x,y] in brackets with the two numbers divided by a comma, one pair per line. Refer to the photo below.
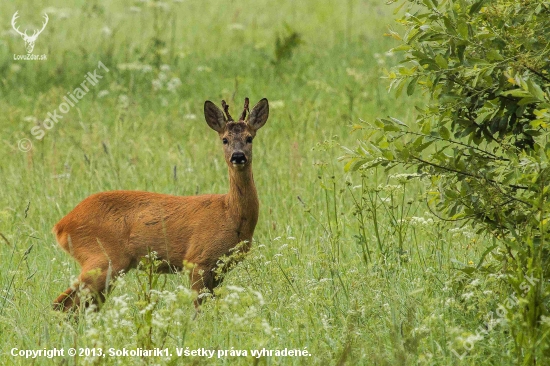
[173,84]
[162,76]
[157,84]
[106,31]
[421,221]
[146,68]
[235,288]
[123,100]
[475,282]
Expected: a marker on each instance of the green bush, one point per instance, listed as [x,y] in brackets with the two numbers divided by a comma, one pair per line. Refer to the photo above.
[482,141]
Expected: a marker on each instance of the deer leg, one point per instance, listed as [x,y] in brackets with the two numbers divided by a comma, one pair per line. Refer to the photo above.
[95,280]
[65,301]
[202,278]
[217,280]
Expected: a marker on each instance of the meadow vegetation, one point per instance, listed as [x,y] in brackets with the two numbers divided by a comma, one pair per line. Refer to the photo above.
[353,267]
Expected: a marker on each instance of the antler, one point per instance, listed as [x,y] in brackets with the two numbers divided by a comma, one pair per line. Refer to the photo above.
[245,110]
[226,110]
[36,33]
[13,19]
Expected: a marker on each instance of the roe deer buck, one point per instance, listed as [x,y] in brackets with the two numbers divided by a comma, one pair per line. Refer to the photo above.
[109,232]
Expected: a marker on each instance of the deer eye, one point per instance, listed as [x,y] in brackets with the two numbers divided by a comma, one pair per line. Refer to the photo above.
[249,140]
[224,140]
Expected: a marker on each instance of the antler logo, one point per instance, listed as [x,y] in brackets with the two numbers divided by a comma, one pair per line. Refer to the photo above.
[29,40]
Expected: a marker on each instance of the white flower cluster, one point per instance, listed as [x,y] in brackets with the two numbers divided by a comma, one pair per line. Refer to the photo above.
[164,82]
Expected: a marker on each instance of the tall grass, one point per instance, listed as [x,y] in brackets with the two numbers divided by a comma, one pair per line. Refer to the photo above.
[354,269]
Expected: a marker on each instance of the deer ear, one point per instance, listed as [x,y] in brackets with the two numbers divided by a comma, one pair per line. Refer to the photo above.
[214,116]
[258,115]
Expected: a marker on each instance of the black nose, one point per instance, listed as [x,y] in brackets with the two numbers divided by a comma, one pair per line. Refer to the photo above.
[238,158]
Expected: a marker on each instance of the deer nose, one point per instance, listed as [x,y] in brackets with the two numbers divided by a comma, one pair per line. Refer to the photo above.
[238,158]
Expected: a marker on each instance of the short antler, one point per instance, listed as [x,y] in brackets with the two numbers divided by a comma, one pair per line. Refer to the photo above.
[226,110]
[245,110]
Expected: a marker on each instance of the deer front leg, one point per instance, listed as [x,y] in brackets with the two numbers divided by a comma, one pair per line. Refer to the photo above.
[202,280]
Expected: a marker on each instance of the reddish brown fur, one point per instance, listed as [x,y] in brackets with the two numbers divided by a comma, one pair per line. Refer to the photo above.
[109,232]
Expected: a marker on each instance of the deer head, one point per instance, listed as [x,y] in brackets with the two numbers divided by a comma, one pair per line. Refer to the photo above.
[237,136]
[29,40]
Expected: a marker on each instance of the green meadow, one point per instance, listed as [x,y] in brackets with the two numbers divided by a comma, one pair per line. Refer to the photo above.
[347,269]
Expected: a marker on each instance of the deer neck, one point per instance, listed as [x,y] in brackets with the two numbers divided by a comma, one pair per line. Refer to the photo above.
[242,201]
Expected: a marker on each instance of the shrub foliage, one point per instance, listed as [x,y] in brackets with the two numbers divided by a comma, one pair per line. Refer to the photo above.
[482,140]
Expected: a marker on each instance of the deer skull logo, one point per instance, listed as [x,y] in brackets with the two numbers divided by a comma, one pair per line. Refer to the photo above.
[29,40]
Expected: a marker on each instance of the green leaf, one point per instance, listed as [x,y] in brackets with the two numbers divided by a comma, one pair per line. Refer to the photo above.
[388,128]
[399,88]
[518,93]
[388,155]
[406,71]
[429,4]
[528,100]
[494,55]
[444,133]
[402,47]
[404,154]
[535,90]
[426,127]
[441,61]
[463,29]
[503,125]
[354,164]
[383,143]
[419,140]
[460,50]
[398,122]
[449,25]
[424,146]
[411,86]
[476,7]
